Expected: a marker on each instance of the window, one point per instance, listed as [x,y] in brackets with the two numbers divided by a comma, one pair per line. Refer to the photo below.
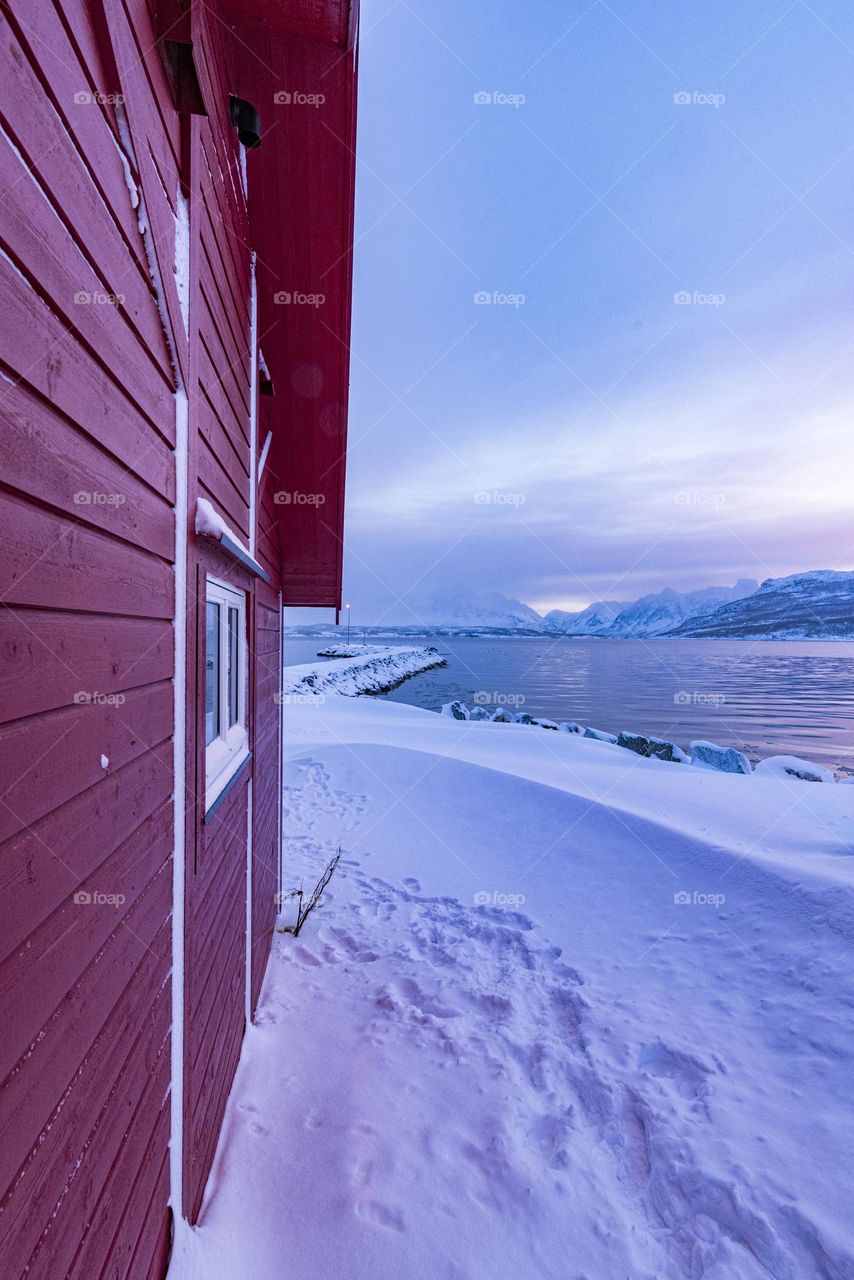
[226,738]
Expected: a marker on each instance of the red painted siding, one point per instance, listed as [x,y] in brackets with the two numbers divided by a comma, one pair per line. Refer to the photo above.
[215,935]
[304,174]
[87,603]
[267,723]
[93,151]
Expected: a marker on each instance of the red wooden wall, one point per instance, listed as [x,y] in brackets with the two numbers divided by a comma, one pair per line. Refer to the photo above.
[305,176]
[267,714]
[215,913]
[86,584]
[87,602]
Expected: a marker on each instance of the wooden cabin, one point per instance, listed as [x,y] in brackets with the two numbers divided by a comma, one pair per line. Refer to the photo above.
[176,211]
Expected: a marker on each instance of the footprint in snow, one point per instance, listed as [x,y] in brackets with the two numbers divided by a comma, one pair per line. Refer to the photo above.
[688,1074]
[382,1215]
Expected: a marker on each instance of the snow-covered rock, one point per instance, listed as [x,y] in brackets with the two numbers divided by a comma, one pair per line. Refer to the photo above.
[346,650]
[707,755]
[523,717]
[793,767]
[600,735]
[456,710]
[478,713]
[501,716]
[660,748]
[570,726]
[373,672]
[545,723]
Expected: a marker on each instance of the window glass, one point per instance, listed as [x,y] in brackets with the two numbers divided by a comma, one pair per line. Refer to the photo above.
[212,661]
[233,666]
[226,663]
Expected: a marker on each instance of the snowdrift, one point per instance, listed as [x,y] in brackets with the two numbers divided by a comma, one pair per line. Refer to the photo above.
[566,1012]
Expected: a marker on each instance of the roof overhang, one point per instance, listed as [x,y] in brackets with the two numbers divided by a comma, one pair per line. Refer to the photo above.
[297,64]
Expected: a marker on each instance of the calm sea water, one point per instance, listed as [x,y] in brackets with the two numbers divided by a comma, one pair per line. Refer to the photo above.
[766,698]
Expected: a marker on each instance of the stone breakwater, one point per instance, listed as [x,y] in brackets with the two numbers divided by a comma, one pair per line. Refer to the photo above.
[703,755]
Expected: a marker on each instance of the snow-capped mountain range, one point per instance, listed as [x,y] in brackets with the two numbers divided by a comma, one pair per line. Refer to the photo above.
[816,605]
[652,615]
[596,620]
[469,609]
[804,606]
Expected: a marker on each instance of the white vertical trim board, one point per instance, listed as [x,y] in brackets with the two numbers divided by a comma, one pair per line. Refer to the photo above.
[179,735]
[253,405]
[249,853]
[253,542]
[280,798]
[179,739]
[265,449]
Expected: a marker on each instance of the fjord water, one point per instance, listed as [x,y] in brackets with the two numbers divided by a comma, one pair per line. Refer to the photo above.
[766,697]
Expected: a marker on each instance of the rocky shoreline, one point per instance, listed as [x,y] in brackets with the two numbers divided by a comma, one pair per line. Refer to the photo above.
[703,754]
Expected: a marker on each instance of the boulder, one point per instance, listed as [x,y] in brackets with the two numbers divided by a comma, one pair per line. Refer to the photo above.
[478,713]
[456,710]
[501,716]
[793,767]
[570,726]
[648,746]
[707,755]
[523,717]
[600,735]
[547,724]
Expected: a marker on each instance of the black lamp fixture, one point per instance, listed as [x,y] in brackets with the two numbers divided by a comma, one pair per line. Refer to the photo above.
[246,120]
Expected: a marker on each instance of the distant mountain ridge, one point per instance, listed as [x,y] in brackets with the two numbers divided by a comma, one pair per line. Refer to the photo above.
[467,609]
[816,605]
[656,615]
[595,620]
[804,606]
[652,615]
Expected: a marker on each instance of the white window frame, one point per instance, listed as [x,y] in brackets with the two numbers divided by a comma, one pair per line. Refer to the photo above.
[225,753]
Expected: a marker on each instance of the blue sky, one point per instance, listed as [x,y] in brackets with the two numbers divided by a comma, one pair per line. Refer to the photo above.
[658,200]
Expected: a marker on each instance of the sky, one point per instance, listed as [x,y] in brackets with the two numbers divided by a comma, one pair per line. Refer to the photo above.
[603,335]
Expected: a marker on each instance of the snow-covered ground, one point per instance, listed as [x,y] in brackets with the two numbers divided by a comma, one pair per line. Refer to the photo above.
[372,669]
[565,1013]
